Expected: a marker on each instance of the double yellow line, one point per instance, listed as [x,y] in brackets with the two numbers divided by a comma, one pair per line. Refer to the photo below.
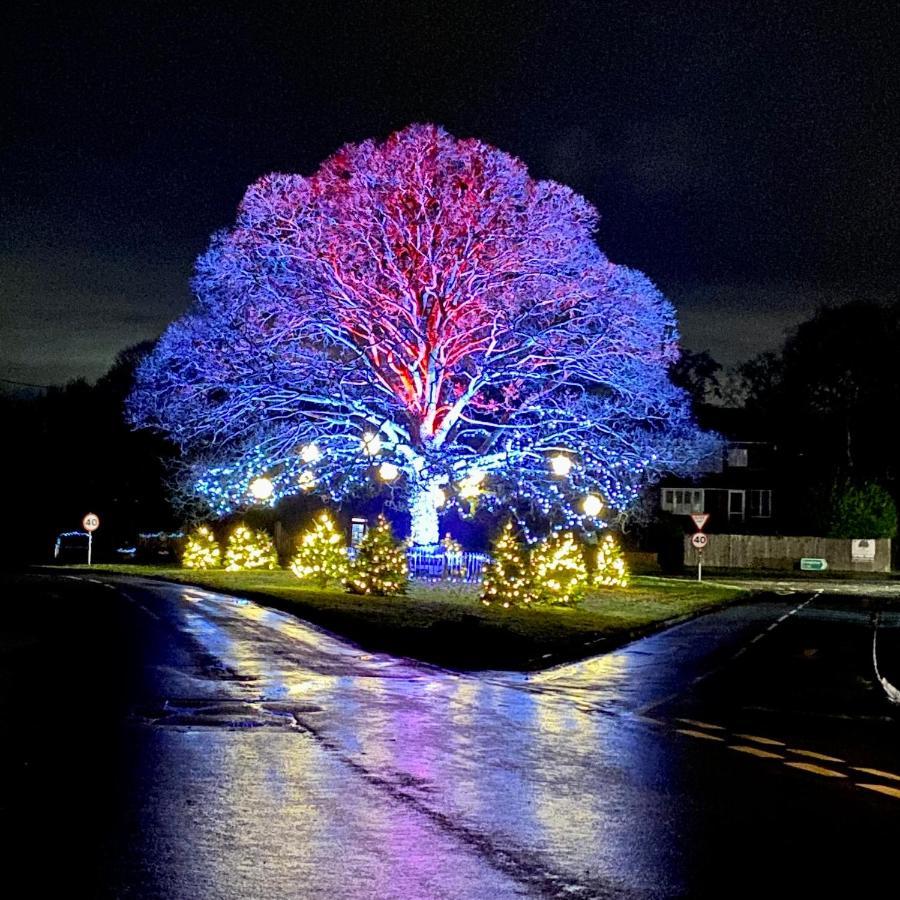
[772,749]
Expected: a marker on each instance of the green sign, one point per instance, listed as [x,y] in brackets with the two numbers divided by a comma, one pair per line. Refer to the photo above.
[813,565]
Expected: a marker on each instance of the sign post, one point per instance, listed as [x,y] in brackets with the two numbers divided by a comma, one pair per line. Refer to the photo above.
[90,523]
[699,540]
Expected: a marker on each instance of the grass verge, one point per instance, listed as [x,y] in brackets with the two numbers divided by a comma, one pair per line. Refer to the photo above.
[447,624]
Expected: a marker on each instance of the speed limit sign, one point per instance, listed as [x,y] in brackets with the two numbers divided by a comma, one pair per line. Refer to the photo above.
[90,523]
[699,541]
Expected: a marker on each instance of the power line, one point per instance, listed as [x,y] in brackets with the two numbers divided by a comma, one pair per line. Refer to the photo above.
[46,387]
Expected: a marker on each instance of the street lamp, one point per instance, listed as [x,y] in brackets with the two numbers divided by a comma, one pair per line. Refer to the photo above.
[261,488]
[387,471]
[470,486]
[560,464]
[592,505]
[310,453]
[371,443]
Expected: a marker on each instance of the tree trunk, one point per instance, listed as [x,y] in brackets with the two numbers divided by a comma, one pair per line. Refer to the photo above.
[424,528]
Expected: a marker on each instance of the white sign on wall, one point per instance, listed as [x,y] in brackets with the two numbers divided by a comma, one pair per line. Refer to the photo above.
[862,550]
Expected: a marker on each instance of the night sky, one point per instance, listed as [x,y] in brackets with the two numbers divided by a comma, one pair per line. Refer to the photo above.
[743,155]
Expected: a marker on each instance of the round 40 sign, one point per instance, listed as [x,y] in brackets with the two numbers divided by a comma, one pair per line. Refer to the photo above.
[91,522]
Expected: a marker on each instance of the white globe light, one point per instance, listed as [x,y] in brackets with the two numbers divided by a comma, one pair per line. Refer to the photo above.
[310,454]
[306,480]
[592,505]
[371,443]
[560,464]
[470,486]
[261,488]
[387,471]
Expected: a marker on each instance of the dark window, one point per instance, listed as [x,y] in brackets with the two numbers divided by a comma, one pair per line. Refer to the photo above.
[737,457]
[761,504]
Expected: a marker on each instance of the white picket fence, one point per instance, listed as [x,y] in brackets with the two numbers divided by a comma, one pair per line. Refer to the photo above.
[446,566]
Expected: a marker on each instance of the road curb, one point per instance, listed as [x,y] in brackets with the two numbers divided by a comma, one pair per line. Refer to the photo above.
[368,642]
[893,694]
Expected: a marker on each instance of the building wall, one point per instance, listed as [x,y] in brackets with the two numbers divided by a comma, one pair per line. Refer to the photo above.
[752,551]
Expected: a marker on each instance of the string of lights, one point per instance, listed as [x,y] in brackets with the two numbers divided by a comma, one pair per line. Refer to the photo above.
[519,368]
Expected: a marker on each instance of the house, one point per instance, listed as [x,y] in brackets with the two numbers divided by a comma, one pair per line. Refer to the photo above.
[740,493]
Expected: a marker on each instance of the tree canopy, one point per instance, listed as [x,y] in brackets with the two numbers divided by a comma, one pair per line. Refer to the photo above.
[422,302]
[867,511]
[827,392]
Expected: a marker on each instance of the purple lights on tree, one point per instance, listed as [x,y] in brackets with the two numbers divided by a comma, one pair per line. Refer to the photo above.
[420,302]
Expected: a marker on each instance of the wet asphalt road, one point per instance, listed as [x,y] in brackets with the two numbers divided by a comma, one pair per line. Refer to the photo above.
[163,741]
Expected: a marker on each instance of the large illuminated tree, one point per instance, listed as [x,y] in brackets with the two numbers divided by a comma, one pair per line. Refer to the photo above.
[420,302]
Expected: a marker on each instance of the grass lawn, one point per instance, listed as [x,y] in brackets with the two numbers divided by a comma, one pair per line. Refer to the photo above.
[447,624]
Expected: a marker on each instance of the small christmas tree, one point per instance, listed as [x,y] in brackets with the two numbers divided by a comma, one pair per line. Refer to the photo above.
[507,577]
[202,550]
[453,557]
[611,570]
[380,566]
[321,553]
[558,569]
[249,549]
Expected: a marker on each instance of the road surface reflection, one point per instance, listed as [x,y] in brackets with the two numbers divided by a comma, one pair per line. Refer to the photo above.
[346,774]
